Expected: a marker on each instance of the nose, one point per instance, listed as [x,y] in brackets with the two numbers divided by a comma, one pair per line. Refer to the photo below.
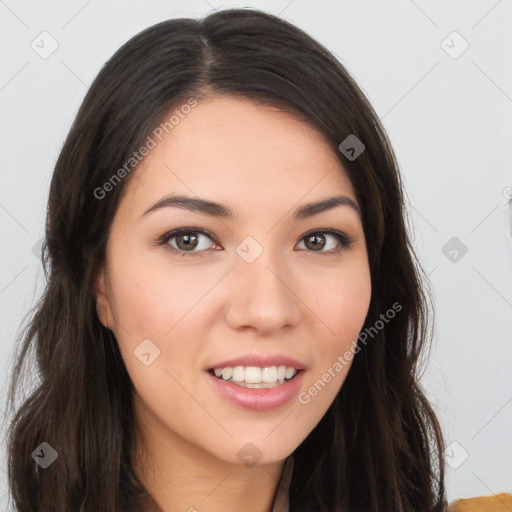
[261,295]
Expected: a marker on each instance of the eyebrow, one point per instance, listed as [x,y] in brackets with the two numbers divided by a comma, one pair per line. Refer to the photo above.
[224,212]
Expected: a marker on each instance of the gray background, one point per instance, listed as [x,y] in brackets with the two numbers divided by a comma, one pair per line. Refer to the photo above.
[447,109]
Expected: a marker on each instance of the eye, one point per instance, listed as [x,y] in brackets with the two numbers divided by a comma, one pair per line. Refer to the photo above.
[187,239]
[316,239]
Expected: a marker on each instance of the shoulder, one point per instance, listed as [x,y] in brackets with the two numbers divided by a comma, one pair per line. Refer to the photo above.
[501,502]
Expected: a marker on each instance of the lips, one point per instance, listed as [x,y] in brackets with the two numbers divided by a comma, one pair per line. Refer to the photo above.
[260,361]
[259,400]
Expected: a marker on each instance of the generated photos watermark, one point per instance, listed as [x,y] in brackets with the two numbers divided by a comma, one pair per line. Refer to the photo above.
[343,360]
[137,156]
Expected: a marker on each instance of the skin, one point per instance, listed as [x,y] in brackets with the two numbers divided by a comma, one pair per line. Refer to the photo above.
[293,299]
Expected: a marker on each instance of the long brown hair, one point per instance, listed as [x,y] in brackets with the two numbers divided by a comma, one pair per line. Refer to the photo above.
[379,446]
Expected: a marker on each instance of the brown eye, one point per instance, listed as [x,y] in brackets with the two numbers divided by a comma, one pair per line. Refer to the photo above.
[194,242]
[187,242]
[315,242]
[319,240]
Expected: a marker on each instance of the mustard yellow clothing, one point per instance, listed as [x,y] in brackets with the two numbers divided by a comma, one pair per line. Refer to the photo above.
[501,502]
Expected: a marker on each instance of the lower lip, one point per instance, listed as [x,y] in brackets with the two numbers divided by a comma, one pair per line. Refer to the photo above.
[258,399]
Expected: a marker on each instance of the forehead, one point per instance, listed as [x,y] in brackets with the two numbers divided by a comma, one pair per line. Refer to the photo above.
[240,153]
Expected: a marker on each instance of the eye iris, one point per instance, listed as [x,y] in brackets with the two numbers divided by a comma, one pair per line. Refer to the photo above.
[188,238]
[320,245]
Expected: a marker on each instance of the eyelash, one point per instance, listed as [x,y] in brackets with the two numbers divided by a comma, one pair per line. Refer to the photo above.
[345,241]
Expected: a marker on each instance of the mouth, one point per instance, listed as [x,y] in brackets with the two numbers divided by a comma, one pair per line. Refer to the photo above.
[256,396]
[255,377]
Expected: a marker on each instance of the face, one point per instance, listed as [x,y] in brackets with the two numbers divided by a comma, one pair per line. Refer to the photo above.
[263,282]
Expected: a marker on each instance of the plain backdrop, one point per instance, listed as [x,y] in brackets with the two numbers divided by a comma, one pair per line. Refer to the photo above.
[438,74]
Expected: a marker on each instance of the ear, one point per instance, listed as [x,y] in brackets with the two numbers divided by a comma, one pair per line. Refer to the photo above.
[103,306]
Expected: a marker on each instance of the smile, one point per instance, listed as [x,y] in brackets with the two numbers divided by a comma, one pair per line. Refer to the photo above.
[254,376]
[262,396]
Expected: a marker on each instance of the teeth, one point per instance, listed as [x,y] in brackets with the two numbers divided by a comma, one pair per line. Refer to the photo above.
[256,375]
[226,373]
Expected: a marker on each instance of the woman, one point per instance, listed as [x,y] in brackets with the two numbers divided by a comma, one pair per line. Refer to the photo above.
[234,312]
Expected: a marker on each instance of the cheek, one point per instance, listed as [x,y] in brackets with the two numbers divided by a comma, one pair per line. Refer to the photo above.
[340,300]
[348,305]
[156,338]
[152,299]
[340,303]
[154,309]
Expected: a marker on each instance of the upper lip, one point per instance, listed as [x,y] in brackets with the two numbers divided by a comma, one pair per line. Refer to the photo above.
[260,361]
